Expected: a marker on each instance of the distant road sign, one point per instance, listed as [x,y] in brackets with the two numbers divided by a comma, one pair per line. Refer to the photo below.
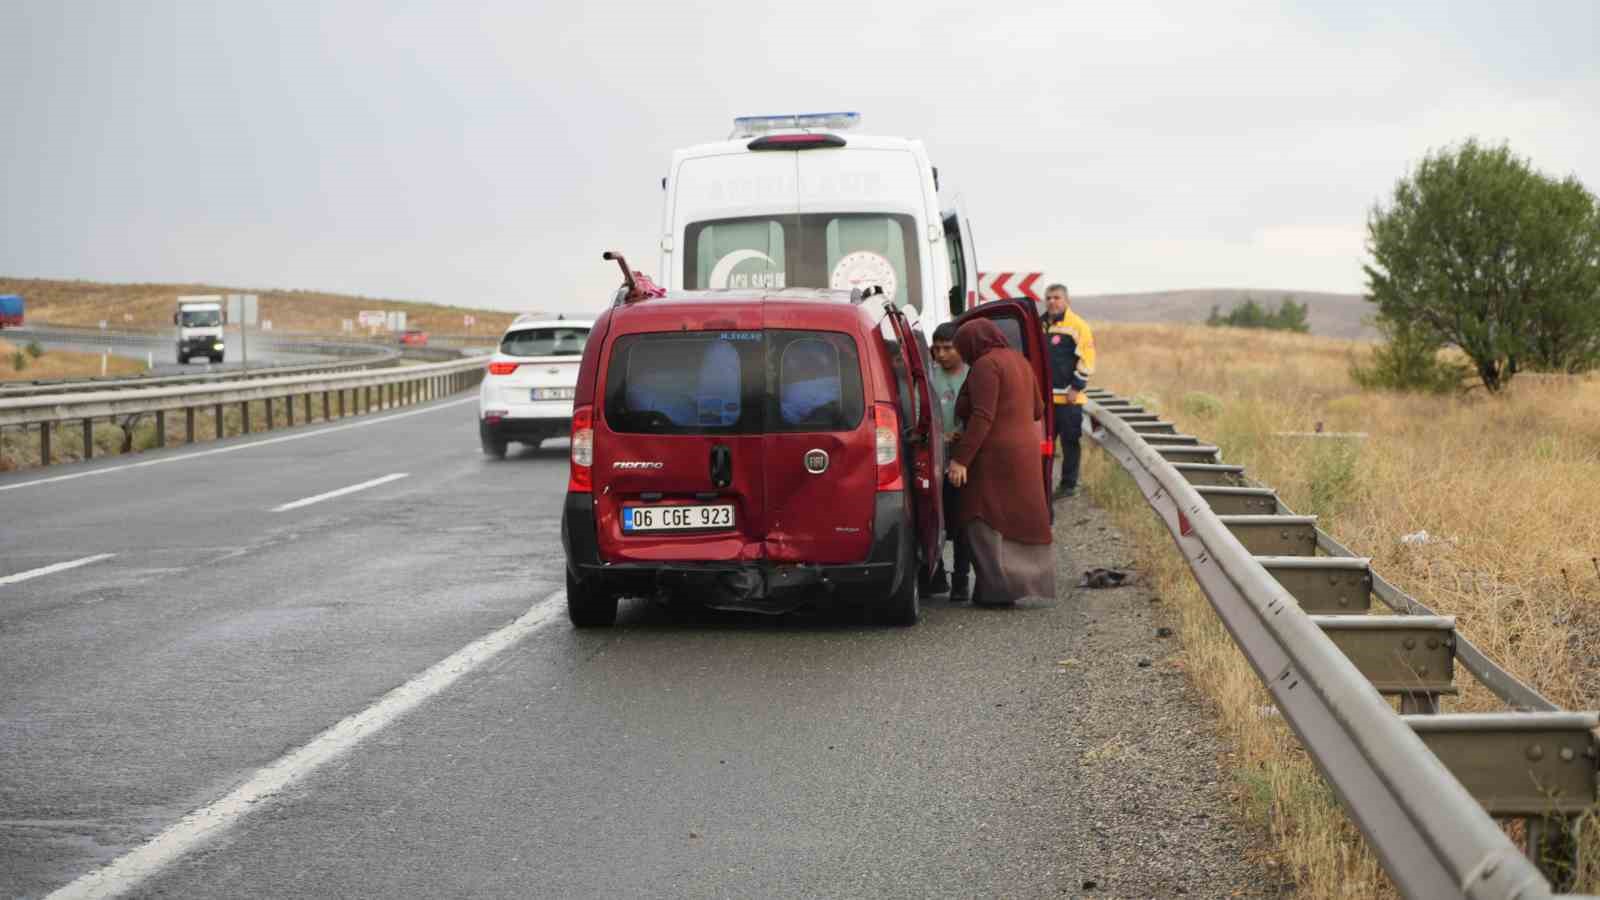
[371,318]
[1008,286]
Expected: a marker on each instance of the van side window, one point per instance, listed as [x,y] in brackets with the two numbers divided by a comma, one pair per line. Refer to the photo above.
[958,269]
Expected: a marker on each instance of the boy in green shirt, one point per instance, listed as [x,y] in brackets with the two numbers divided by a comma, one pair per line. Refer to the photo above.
[949,374]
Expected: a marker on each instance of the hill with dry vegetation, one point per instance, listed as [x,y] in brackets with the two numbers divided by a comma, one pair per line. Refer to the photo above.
[150,306]
[1330,315]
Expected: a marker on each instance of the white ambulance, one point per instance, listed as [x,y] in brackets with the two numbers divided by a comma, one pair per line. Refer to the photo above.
[807,201]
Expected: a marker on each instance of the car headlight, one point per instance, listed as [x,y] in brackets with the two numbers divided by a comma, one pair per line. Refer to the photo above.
[216,346]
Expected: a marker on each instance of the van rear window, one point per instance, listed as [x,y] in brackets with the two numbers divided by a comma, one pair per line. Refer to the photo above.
[740,382]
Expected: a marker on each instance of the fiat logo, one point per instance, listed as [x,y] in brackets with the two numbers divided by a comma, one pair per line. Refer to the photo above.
[816,461]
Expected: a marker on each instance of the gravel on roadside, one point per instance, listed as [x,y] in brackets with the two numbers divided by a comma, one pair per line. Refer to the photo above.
[1159,818]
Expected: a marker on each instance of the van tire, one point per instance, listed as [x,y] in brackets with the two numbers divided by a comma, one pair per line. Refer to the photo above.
[494,449]
[588,607]
[904,606]
[183,360]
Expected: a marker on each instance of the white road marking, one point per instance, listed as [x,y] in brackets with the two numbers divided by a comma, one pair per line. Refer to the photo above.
[181,457]
[329,495]
[58,567]
[126,872]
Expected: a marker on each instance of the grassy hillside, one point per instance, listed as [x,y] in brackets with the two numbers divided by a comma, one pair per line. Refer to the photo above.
[1503,486]
[1330,315]
[152,305]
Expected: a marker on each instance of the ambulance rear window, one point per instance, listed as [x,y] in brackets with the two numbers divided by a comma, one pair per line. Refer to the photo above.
[817,250]
[733,382]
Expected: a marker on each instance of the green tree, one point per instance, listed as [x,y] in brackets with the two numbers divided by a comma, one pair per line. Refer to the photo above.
[1478,250]
[1289,316]
[1408,360]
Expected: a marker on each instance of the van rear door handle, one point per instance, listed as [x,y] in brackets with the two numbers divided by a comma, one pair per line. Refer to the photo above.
[721,466]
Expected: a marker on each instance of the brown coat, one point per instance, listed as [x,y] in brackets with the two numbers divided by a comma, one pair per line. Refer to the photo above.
[1000,447]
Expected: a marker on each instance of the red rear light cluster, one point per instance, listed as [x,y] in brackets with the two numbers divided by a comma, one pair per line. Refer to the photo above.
[502,368]
[581,480]
[493,416]
[886,426]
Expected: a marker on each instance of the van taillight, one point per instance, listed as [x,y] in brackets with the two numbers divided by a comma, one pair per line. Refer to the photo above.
[887,431]
[582,478]
[502,368]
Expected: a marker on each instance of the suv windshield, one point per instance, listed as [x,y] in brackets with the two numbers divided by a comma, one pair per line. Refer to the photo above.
[734,382]
[545,342]
[820,250]
[200,318]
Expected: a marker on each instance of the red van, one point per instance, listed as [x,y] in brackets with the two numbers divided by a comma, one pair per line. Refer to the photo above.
[759,451]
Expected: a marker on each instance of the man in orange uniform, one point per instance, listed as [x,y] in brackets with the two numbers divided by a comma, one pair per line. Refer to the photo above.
[1071,347]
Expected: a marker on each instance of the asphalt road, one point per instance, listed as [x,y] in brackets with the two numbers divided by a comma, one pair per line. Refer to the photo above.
[672,756]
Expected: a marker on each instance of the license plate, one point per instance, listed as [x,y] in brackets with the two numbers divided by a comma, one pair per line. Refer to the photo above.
[553,393]
[675,518]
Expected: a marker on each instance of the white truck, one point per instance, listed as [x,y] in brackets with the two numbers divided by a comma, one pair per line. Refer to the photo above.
[199,321]
[805,201]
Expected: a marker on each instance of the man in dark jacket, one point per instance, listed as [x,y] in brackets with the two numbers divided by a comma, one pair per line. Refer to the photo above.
[1071,346]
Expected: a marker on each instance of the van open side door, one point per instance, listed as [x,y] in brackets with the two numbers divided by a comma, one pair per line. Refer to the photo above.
[1019,321]
[922,437]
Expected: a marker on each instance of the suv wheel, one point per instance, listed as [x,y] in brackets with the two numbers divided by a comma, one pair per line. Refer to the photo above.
[494,449]
[588,607]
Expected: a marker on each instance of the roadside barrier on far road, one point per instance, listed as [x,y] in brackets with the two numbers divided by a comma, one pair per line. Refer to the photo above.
[1425,788]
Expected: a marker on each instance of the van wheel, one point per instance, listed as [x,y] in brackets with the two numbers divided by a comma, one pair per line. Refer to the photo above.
[588,607]
[904,606]
[183,360]
[494,449]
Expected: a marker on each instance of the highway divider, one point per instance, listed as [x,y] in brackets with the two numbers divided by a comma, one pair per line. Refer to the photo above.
[1425,788]
[337,394]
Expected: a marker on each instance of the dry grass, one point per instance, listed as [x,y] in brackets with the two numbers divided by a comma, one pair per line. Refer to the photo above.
[1505,486]
[55,364]
[150,306]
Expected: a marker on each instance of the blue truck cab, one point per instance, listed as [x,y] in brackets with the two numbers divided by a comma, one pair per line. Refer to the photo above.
[10,311]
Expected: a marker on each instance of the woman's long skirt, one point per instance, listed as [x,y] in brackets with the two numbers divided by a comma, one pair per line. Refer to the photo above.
[1009,571]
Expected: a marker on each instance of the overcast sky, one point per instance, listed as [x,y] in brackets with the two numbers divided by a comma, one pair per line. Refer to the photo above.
[486,153]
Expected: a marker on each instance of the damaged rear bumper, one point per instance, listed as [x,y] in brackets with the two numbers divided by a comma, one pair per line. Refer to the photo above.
[758,586]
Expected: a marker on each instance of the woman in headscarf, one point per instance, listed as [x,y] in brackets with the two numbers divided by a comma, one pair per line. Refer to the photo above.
[1003,509]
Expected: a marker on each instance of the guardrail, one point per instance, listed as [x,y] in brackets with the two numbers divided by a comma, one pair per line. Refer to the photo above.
[1424,788]
[366,391]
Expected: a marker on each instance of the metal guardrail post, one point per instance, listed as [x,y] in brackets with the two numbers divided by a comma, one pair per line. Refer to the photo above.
[161,428]
[44,443]
[88,438]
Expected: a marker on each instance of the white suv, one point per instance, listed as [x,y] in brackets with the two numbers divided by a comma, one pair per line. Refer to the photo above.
[527,394]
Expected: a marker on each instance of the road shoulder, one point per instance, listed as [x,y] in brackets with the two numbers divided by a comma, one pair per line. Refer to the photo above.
[1160,816]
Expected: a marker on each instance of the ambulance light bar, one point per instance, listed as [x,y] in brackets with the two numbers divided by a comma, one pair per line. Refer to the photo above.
[753,126]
